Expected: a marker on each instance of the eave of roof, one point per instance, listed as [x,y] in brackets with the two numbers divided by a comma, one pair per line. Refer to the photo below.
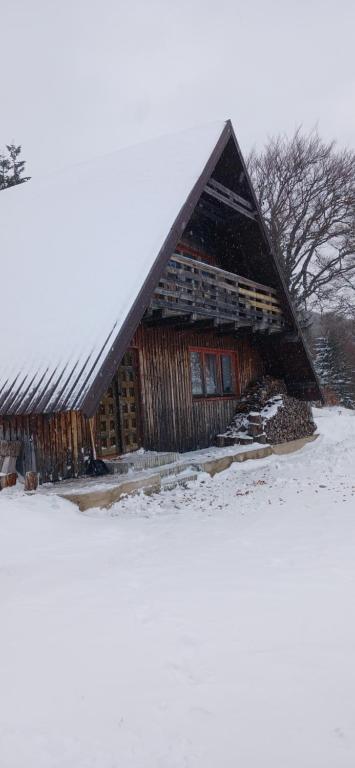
[88,244]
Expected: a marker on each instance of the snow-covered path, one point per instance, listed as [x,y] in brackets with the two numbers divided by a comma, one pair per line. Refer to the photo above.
[202,628]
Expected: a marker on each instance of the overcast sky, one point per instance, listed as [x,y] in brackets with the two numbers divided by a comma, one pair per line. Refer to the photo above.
[82,77]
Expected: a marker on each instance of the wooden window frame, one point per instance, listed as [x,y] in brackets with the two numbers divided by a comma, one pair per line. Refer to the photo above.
[219,353]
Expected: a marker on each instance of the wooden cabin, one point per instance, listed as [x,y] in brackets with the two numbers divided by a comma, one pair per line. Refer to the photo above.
[142,297]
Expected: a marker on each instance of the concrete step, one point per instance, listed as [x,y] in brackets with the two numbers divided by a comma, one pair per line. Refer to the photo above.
[171,482]
[170,470]
[105,491]
[141,461]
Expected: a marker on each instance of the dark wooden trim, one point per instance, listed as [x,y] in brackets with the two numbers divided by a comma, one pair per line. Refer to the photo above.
[227,197]
[229,193]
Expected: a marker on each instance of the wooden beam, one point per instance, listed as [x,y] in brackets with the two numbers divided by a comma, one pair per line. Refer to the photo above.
[230,193]
[159,317]
[229,199]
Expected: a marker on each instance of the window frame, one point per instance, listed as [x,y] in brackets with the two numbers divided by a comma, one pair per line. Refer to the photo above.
[219,354]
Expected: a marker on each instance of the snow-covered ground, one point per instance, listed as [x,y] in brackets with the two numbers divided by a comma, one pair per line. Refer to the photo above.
[201,628]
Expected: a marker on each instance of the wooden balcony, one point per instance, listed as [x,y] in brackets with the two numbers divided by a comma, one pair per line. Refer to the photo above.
[192,291]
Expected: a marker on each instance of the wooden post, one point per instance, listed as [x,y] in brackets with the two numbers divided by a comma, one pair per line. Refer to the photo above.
[92,436]
[31,481]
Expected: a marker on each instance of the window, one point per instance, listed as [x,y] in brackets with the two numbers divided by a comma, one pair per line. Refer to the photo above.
[196,373]
[212,372]
[210,367]
[227,375]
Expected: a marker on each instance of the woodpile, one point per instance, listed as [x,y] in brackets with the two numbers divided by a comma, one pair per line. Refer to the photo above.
[267,414]
[293,420]
[259,393]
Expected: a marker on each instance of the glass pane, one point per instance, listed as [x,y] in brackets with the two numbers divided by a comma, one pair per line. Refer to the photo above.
[227,378]
[196,373]
[211,374]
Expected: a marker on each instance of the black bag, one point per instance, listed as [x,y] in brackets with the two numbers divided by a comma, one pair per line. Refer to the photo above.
[95,467]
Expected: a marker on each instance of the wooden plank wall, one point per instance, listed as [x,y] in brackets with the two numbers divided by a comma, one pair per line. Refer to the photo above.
[55,445]
[171,418]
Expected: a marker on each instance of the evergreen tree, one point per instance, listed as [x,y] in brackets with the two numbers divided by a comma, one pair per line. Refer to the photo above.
[12,168]
[4,170]
[333,364]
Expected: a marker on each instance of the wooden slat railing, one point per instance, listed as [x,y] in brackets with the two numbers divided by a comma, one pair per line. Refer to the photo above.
[193,287]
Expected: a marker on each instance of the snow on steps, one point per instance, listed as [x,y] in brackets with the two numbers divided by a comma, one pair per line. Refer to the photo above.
[105,491]
[141,461]
[170,482]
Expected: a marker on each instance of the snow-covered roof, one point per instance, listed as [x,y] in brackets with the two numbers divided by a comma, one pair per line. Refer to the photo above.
[77,249]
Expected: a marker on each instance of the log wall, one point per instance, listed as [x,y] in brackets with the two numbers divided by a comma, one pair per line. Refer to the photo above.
[171,418]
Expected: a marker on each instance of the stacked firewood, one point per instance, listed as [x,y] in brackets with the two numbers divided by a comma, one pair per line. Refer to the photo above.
[292,421]
[259,393]
[267,414]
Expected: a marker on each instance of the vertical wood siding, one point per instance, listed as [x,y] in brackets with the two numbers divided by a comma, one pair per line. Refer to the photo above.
[54,445]
[172,419]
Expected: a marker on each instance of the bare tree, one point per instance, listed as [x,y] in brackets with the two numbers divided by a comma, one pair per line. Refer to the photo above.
[306,190]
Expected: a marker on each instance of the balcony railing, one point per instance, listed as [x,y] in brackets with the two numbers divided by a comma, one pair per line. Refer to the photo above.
[193,288]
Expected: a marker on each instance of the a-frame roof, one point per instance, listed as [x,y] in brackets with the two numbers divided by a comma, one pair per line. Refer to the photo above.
[81,254]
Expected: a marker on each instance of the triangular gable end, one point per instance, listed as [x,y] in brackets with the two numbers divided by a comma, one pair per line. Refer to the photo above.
[226,160]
